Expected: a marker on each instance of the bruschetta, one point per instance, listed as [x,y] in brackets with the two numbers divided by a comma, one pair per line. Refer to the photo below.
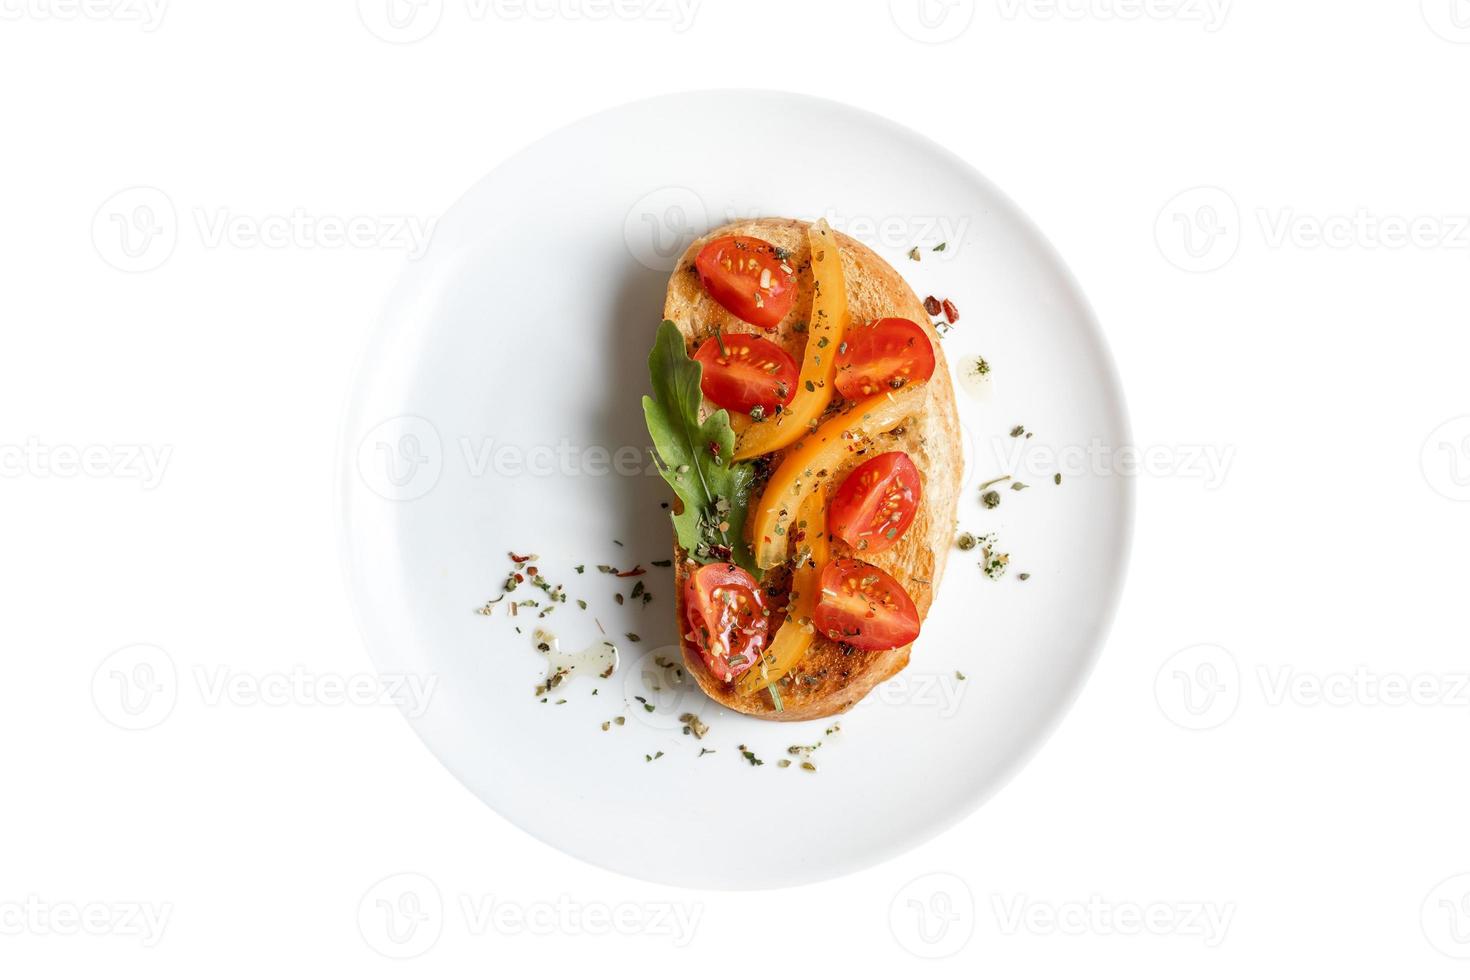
[804,415]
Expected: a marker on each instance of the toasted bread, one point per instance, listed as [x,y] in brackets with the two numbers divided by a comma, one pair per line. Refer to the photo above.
[833,677]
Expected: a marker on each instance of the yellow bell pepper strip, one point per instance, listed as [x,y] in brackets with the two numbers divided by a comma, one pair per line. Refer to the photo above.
[810,464]
[825,333]
[795,636]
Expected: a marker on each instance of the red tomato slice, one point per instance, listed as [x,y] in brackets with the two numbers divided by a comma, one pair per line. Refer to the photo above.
[727,618]
[861,605]
[887,353]
[876,503]
[749,277]
[743,371]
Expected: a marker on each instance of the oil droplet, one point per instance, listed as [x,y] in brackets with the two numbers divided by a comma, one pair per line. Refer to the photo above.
[600,659]
[975,378]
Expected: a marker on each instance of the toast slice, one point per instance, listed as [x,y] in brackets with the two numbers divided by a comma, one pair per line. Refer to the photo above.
[833,677]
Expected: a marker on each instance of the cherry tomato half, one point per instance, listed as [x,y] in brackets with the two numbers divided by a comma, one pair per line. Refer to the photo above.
[887,353]
[727,618]
[749,277]
[742,371]
[876,503]
[861,605]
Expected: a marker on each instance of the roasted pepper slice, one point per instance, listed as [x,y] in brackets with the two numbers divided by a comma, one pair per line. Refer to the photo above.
[795,636]
[824,336]
[810,464]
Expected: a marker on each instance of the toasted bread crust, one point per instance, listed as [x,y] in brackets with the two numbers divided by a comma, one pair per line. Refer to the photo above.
[834,677]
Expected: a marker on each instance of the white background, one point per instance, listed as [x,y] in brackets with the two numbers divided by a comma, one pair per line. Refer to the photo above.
[1244,773]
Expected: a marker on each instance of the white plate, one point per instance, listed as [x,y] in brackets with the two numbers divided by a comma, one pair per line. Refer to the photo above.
[516,346]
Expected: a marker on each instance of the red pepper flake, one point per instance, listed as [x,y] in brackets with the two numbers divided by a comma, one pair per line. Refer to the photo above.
[951,312]
[630,573]
[519,559]
[931,306]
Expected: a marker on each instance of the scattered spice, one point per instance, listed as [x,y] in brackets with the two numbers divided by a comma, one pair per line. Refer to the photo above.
[914,253]
[693,726]
[967,541]
[993,563]
[941,246]
[1057,479]
[804,753]
[932,306]
[1018,431]
[750,756]
[991,500]
[951,312]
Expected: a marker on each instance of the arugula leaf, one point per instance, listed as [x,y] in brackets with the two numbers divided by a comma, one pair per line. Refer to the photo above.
[715,491]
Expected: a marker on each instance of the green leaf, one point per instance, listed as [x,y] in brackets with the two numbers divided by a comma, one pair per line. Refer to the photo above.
[713,491]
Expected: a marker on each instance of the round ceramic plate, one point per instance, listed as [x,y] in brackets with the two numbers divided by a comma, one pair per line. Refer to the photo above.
[497,411]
